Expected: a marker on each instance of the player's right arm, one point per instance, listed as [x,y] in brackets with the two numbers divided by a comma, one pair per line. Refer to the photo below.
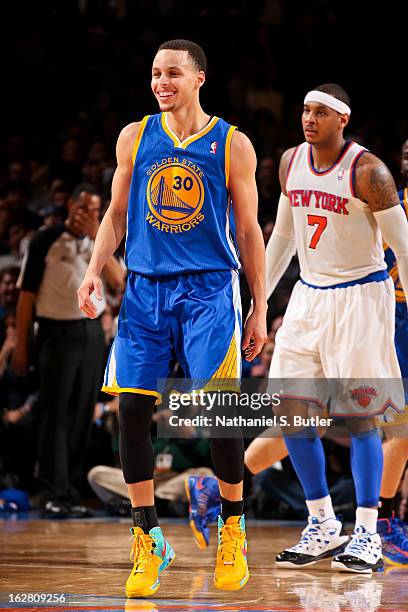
[375,186]
[281,246]
[113,226]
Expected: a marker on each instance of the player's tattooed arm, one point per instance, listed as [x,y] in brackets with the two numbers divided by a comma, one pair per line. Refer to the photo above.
[374,183]
[284,166]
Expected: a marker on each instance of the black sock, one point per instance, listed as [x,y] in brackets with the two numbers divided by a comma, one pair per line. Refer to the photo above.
[231,508]
[145,517]
[386,507]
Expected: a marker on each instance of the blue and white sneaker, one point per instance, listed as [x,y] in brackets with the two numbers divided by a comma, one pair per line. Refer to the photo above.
[320,540]
[362,555]
[394,538]
[203,496]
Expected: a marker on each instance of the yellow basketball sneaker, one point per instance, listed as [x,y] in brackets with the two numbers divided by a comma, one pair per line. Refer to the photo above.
[151,553]
[231,568]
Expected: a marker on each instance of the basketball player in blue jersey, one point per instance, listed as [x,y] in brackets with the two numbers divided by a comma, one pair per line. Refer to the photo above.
[393,532]
[338,201]
[180,175]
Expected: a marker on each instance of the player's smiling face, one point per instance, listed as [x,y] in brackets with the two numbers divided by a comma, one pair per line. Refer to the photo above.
[321,123]
[175,79]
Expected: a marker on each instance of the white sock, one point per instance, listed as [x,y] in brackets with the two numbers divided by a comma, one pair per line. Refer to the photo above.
[367,518]
[321,508]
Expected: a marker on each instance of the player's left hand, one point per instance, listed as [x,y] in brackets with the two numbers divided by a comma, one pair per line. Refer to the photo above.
[255,334]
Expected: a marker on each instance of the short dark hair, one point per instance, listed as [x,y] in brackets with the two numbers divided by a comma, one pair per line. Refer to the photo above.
[337,91]
[195,51]
[87,187]
[11,270]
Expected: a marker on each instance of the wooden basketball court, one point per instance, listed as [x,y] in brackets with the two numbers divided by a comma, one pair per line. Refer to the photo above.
[87,563]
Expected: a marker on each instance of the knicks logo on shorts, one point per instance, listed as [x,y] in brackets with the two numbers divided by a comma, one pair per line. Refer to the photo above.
[175,195]
[363,395]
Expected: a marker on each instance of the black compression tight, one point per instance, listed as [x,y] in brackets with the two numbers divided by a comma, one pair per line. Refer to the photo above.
[136,450]
[135,443]
[228,458]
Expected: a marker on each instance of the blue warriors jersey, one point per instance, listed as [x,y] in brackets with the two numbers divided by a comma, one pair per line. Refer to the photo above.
[179,210]
[390,258]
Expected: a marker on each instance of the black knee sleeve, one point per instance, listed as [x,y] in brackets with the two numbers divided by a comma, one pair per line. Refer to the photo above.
[135,444]
[228,458]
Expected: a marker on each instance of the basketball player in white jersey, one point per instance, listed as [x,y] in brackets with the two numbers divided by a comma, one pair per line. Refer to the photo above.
[337,199]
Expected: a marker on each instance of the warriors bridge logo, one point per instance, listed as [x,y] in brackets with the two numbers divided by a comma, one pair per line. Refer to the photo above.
[175,195]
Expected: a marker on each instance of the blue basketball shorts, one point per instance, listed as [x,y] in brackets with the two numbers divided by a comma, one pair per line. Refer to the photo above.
[194,319]
[401,342]
[401,337]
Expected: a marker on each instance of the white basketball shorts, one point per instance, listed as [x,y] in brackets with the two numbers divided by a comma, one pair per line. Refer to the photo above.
[346,335]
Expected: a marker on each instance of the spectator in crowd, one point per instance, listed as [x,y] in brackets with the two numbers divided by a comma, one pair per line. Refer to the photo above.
[18,434]
[53,215]
[9,342]
[8,294]
[5,220]
[17,223]
[56,195]
[19,234]
[17,195]
[69,163]
[71,347]
[18,171]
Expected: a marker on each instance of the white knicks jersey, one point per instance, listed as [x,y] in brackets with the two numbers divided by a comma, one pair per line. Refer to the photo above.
[337,236]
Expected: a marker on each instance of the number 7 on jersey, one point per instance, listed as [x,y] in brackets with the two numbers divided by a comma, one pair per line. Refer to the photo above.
[321,223]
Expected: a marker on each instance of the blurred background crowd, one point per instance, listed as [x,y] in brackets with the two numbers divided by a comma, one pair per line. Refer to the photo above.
[76,72]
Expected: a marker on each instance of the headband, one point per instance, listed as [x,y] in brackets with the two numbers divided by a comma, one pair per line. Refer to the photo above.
[327,100]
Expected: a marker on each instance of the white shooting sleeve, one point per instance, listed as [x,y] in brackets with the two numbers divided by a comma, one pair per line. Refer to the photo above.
[281,246]
[393,225]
